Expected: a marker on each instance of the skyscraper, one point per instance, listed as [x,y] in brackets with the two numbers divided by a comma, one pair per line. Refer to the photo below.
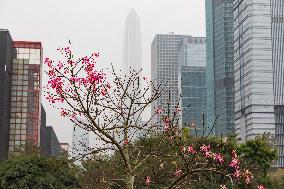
[25,96]
[132,57]
[259,68]
[164,68]
[192,83]
[220,65]
[132,43]
[6,55]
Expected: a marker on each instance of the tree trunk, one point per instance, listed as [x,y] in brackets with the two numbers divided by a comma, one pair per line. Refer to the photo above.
[129,181]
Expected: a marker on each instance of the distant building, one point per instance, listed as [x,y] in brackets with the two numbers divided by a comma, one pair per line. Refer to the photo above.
[164,68]
[25,96]
[43,132]
[80,143]
[220,65]
[6,56]
[192,84]
[259,68]
[64,148]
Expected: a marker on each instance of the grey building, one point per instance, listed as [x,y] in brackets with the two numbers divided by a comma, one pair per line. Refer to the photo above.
[80,144]
[192,84]
[220,65]
[259,68]
[164,67]
[6,56]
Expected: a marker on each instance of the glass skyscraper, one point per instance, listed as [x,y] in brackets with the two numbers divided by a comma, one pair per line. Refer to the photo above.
[192,84]
[220,66]
[25,96]
[259,68]
[164,69]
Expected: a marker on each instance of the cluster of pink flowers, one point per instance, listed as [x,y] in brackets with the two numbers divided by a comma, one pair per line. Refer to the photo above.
[178,172]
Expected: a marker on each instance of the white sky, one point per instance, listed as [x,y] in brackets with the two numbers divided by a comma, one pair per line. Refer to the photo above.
[97,25]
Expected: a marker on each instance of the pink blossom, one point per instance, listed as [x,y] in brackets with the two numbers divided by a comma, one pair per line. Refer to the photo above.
[177,109]
[234,154]
[260,186]
[103,91]
[59,65]
[223,186]
[237,173]
[205,148]
[159,110]
[55,83]
[125,142]
[63,113]
[178,172]
[191,150]
[219,158]
[50,99]
[148,180]
[248,176]
[48,62]
[234,162]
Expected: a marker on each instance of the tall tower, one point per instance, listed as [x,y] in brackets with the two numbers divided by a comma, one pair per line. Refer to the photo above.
[220,65]
[132,43]
[132,60]
[164,69]
[259,68]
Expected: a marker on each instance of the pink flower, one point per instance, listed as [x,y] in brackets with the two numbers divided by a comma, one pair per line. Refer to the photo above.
[219,158]
[234,154]
[177,109]
[191,150]
[260,186]
[234,162]
[50,99]
[205,148]
[223,186]
[248,176]
[125,142]
[237,173]
[63,113]
[148,180]
[159,110]
[103,91]
[178,172]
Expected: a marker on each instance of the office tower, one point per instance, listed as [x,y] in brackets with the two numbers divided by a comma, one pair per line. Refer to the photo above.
[25,96]
[53,145]
[132,59]
[164,68]
[192,84]
[43,139]
[6,55]
[132,43]
[259,68]
[220,65]
[80,144]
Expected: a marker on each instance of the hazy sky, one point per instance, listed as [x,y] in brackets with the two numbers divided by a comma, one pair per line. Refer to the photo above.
[97,25]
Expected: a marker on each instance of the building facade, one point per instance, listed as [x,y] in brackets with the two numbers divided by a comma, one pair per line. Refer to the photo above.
[220,66]
[192,84]
[6,56]
[164,70]
[25,117]
[80,144]
[259,68]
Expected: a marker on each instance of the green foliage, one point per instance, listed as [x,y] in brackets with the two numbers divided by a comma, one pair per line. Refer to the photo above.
[35,172]
[258,154]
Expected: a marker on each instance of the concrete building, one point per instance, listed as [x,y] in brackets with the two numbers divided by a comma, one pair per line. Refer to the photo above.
[259,68]
[6,56]
[220,65]
[164,68]
[192,84]
[25,117]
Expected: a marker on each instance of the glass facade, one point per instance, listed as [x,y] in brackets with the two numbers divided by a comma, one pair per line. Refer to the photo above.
[259,79]
[220,62]
[164,68]
[25,96]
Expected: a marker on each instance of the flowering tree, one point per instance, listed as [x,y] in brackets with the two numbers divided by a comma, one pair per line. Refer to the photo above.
[112,110]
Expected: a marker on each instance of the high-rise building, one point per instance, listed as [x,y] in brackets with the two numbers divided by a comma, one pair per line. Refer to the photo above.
[132,43]
[220,65]
[80,144]
[164,68]
[25,96]
[6,55]
[132,59]
[259,68]
[192,84]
